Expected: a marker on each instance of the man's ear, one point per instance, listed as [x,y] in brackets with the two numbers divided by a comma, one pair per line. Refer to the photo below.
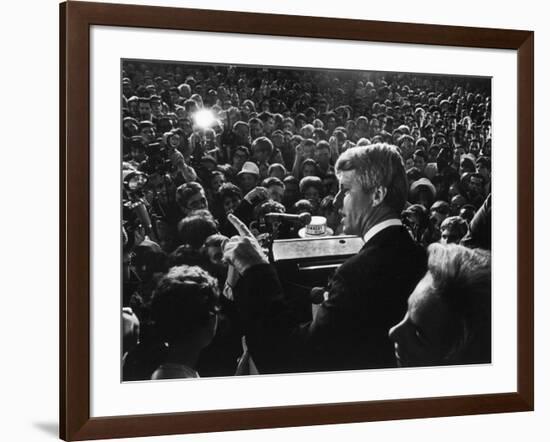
[379,195]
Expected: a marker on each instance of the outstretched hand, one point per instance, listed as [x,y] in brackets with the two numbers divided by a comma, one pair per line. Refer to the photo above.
[243,250]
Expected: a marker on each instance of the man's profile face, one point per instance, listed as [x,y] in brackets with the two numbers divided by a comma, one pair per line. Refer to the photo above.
[424,335]
[356,204]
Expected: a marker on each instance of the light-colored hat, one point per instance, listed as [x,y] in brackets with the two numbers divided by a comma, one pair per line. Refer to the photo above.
[250,167]
[423,182]
[316,228]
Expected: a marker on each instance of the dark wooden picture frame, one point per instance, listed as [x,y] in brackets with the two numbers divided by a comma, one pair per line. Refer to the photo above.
[75,21]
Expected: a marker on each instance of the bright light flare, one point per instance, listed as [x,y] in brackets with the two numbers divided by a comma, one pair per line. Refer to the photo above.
[204,118]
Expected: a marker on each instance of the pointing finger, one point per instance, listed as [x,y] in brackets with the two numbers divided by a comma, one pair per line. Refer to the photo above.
[239,226]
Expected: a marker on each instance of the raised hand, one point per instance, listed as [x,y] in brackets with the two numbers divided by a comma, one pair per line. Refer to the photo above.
[243,250]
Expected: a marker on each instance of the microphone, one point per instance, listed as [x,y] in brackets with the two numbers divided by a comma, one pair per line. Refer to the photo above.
[302,219]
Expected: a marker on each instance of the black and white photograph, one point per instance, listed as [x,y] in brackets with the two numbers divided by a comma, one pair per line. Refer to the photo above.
[280,220]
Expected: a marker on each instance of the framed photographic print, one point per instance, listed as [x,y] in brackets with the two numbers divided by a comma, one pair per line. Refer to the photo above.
[273,220]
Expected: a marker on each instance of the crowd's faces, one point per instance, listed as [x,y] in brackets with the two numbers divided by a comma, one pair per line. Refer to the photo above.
[197,202]
[312,195]
[374,127]
[443,160]
[413,225]
[475,147]
[309,170]
[475,185]
[269,125]
[148,134]
[138,154]
[424,335]
[331,125]
[322,158]
[436,218]
[247,182]
[419,162]
[308,150]
[407,148]
[278,140]
[209,139]
[144,109]
[230,203]
[260,156]
[459,151]
[243,134]
[130,129]
[276,193]
[307,131]
[156,108]
[256,130]
[186,126]
[289,125]
[483,171]
[291,194]
[449,236]
[356,205]
[330,185]
[456,204]
[133,108]
[239,158]
[216,182]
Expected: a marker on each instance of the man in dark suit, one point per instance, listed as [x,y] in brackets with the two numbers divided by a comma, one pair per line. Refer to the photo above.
[367,294]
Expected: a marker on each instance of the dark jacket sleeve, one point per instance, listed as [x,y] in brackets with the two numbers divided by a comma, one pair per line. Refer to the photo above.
[277,341]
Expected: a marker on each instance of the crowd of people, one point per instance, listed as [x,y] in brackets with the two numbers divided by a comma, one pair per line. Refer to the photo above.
[401,160]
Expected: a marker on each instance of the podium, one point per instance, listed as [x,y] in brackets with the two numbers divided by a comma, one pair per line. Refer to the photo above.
[310,262]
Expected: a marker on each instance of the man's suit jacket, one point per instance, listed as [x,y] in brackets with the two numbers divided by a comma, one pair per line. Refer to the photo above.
[366,296]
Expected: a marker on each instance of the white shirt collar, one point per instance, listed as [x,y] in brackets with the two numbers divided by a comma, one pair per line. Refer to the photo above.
[381,226]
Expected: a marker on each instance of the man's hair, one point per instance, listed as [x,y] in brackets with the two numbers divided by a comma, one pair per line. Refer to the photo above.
[462,280]
[186,191]
[265,115]
[240,123]
[484,162]
[262,144]
[302,205]
[243,149]
[196,227]
[272,181]
[229,190]
[421,153]
[311,181]
[322,144]
[185,299]
[377,165]
[321,133]
[455,224]
[276,166]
